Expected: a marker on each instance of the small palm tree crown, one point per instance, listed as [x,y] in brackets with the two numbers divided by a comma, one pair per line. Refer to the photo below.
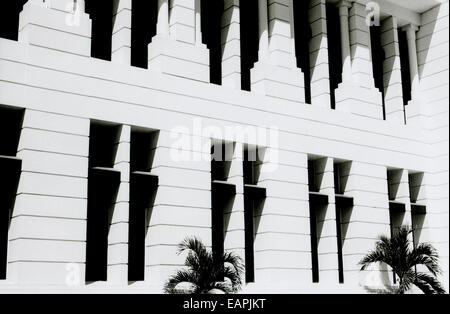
[205,274]
[400,254]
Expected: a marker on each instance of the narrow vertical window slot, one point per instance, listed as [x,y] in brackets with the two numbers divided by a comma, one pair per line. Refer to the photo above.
[418,205]
[334,51]
[344,208]
[211,16]
[143,29]
[10,169]
[103,184]
[9,19]
[223,193]
[405,67]
[101,14]
[318,205]
[303,35]
[397,209]
[378,58]
[249,40]
[254,197]
[143,188]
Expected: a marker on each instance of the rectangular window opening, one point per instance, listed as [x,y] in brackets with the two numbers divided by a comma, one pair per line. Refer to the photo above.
[211,16]
[254,197]
[101,14]
[378,58]
[103,184]
[334,50]
[223,194]
[9,20]
[144,16]
[249,40]
[143,188]
[405,68]
[318,205]
[344,209]
[303,35]
[11,120]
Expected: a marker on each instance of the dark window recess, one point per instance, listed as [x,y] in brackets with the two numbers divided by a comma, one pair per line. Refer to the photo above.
[318,205]
[212,11]
[405,66]
[143,187]
[249,40]
[344,209]
[254,197]
[10,169]
[9,18]
[101,14]
[334,51]
[10,128]
[397,212]
[103,183]
[143,28]
[378,58]
[303,35]
[223,194]
[418,211]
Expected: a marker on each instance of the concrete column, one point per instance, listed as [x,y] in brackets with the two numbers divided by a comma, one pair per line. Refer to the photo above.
[177,49]
[282,231]
[360,47]
[357,93]
[263,52]
[318,46]
[231,45]
[392,74]
[162,25]
[276,74]
[198,22]
[121,38]
[59,25]
[174,218]
[47,236]
[369,218]
[118,232]
[345,40]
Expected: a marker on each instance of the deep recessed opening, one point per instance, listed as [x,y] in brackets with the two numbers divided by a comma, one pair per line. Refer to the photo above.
[378,58]
[143,188]
[9,18]
[10,168]
[334,50]
[249,40]
[101,14]
[211,16]
[303,35]
[103,184]
[143,29]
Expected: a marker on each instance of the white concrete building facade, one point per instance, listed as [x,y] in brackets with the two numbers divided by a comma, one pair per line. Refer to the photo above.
[109,115]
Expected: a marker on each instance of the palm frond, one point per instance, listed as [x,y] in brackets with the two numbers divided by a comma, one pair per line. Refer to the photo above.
[429,284]
[181,276]
[425,254]
[376,256]
[406,281]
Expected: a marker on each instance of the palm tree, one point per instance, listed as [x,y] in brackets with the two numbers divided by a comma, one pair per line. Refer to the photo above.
[203,273]
[399,253]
